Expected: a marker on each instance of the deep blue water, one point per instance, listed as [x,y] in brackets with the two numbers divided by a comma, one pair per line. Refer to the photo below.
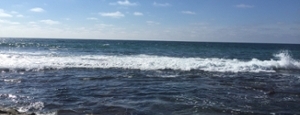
[149,77]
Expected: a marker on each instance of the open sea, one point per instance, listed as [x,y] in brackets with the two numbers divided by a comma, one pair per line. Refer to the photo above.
[113,77]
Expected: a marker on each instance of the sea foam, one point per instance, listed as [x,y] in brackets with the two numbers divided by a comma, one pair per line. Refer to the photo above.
[282,60]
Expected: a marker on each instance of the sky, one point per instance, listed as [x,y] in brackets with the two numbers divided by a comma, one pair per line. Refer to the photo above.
[262,21]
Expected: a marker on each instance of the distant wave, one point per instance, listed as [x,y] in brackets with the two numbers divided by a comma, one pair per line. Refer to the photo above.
[281,61]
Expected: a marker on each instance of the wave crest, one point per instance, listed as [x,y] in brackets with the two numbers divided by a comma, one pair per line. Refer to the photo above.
[286,61]
[282,60]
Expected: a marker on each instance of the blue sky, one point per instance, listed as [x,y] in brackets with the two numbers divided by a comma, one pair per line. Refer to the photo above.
[271,21]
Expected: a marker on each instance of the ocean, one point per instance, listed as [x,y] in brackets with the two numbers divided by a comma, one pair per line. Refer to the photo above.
[115,77]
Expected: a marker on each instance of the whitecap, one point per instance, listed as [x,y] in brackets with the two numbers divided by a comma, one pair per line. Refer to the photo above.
[32,106]
[282,60]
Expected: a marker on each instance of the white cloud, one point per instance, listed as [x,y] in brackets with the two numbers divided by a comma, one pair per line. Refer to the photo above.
[112,14]
[32,22]
[124,3]
[161,4]
[138,14]
[8,22]
[92,18]
[3,14]
[188,12]
[12,14]
[244,6]
[50,22]
[152,23]
[37,9]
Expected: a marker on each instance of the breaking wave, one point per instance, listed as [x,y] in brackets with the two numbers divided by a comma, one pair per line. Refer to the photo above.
[282,60]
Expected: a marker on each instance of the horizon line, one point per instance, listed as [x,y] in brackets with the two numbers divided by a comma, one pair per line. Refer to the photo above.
[155,40]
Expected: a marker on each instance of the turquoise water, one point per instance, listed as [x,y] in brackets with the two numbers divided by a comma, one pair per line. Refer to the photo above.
[149,77]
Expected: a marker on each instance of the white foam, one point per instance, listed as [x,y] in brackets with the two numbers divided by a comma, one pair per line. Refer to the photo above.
[12,80]
[147,62]
[49,113]
[35,106]
[12,96]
